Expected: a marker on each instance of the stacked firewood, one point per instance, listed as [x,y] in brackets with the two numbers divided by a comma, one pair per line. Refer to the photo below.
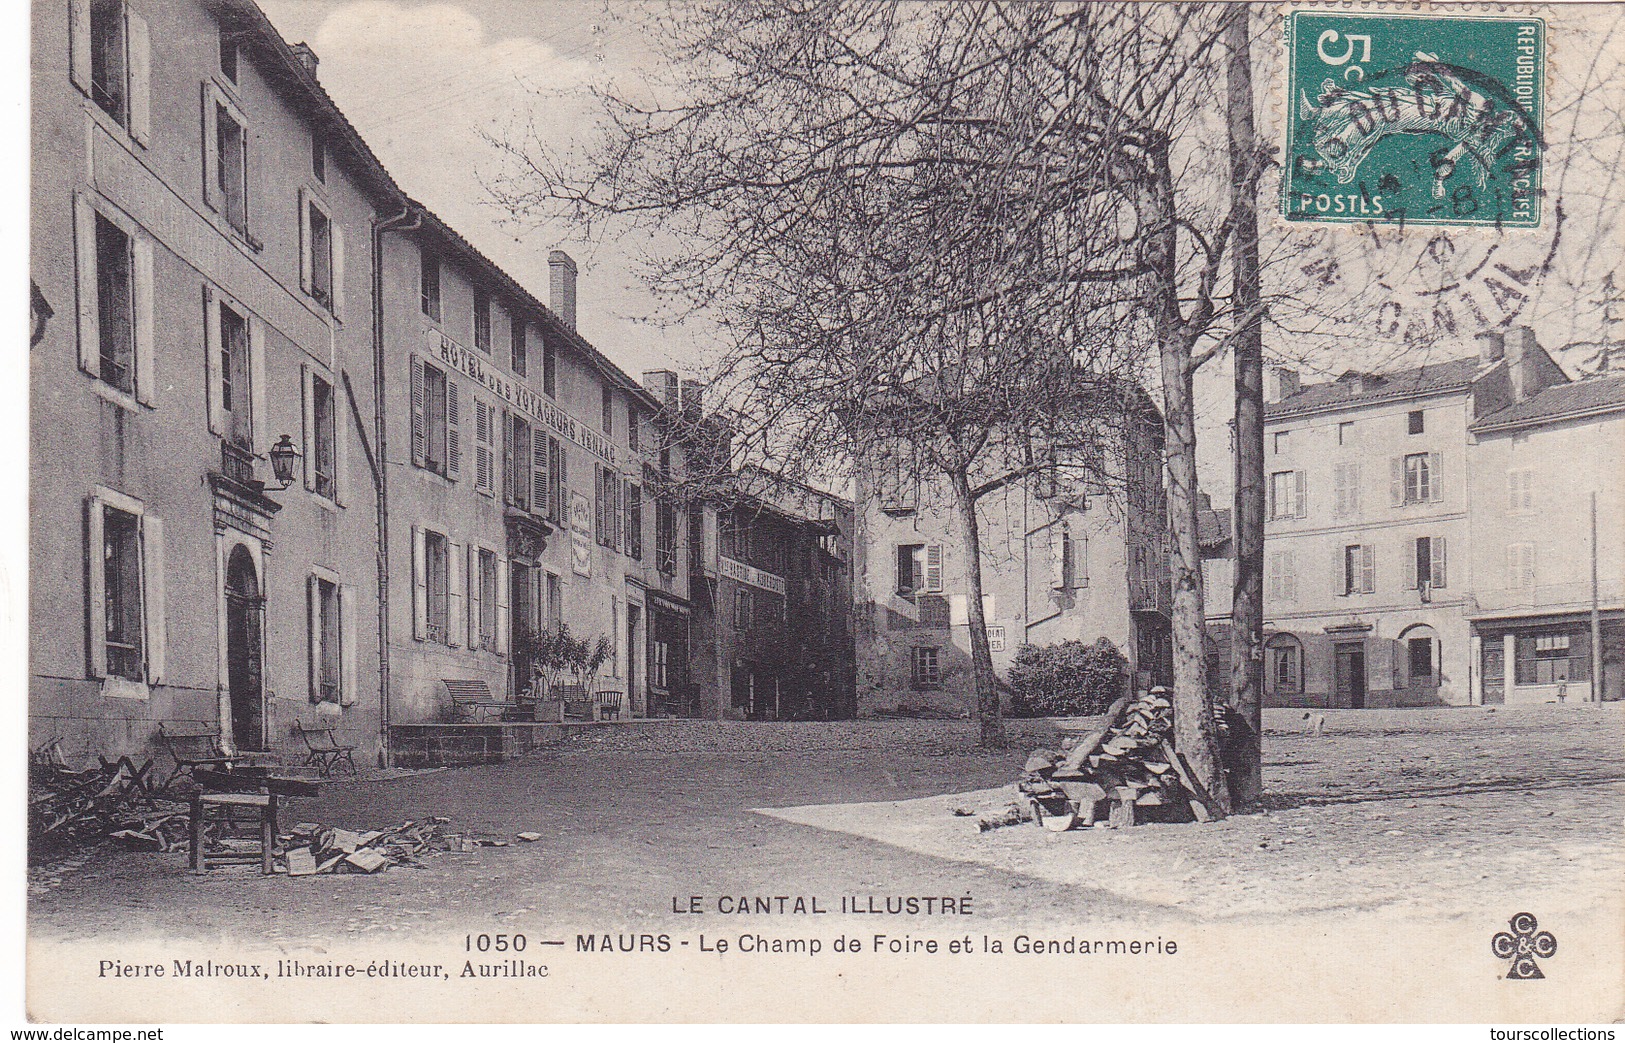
[69,806]
[1127,768]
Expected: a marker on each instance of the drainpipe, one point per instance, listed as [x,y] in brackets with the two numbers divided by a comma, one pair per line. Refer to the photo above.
[398,223]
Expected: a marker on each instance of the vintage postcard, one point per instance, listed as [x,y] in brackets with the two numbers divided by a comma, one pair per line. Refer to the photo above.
[832,511]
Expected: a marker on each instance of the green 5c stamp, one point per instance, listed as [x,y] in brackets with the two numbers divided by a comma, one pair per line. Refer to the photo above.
[1414,119]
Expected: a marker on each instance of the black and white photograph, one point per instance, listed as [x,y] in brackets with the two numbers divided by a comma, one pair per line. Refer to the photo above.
[821,511]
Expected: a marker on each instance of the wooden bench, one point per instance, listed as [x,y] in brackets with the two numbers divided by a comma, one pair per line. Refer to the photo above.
[472,703]
[326,752]
[191,751]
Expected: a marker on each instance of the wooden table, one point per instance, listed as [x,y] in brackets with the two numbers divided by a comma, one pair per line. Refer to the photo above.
[259,790]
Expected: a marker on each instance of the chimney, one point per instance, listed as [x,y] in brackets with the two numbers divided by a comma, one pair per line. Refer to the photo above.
[563,295]
[693,399]
[307,57]
[1523,362]
[1491,347]
[1280,383]
[662,384]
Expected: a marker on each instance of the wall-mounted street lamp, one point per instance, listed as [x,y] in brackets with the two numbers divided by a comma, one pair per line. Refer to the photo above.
[283,454]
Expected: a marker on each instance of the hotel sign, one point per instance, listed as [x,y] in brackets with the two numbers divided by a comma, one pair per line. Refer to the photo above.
[742,573]
[536,406]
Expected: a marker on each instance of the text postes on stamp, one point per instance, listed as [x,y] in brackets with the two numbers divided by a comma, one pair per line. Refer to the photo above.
[1414,119]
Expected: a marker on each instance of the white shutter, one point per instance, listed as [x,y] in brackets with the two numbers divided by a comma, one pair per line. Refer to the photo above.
[1396,481]
[454,437]
[456,618]
[139,44]
[307,261]
[307,398]
[335,236]
[502,607]
[1368,568]
[1057,557]
[1411,577]
[1340,491]
[347,638]
[1435,476]
[95,589]
[1301,494]
[211,155]
[211,361]
[313,634]
[420,586]
[84,234]
[476,606]
[154,597]
[146,382]
[1340,577]
[1289,581]
[1440,575]
[79,43]
[1352,487]
[933,567]
[419,418]
[256,385]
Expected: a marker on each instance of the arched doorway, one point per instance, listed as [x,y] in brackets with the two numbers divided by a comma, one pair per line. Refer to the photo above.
[245,653]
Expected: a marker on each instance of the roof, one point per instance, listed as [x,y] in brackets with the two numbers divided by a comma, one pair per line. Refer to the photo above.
[1577,398]
[1212,527]
[1455,375]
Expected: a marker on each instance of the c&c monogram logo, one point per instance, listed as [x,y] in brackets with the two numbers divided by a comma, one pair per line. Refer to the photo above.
[1523,945]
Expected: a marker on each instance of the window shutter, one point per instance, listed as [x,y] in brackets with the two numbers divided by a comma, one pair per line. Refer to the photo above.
[454,434]
[1396,481]
[146,385]
[259,418]
[541,486]
[476,606]
[1512,491]
[420,586]
[84,234]
[456,618]
[1080,561]
[1368,568]
[1340,576]
[1300,494]
[419,419]
[1412,580]
[341,442]
[347,638]
[508,433]
[1274,508]
[483,461]
[307,259]
[95,590]
[313,633]
[557,509]
[308,422]
[79,43]
[153,597]
[502,607]
[139,43]
[1057,557]
[1340,490]
[1435,476]
[1440,575]
[335,238]
[619,488]
[211,155]
[933,567]
[1289,578]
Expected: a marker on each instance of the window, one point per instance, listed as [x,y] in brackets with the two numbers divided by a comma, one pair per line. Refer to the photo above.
[1283,441]
[634,521]
[1414,422]
[1283,575]
[325,635]
[609,413]
[665,538]
[1359,569]
[435,587]
[482,320]
[1552,658]
[927,669]
[659,662]
[231,167]
[1288,497]
[1521,489]
[742,609]
[1285,665]
[1068,559]
[1419,654]
[429,283]
[322,442]
[484,447]
[121,585]
[516,478]
[228,54]
[1345,433]
[318,154]
[115,305]
[550,367]
[487,603]
[1521,566]
[1346,488]
[1428,562]
[436,420]
[516,344]
[109,59]
[910,568]
[319,254]
[1416,479]
[235,391]
[898,487]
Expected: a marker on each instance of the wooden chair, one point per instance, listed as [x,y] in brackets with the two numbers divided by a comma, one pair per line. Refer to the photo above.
[191,751]
[610,706]
[326,752]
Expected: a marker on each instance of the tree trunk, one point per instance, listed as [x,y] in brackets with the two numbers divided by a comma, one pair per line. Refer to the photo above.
[1195,734]
[981,657]
[1245,753]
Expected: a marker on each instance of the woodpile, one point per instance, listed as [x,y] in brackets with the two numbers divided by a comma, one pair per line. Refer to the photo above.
[1123,773]
[68,806]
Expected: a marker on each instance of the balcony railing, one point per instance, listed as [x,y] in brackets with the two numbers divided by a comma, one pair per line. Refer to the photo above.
[236,463]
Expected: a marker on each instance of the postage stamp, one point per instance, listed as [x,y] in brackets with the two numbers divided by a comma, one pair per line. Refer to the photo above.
[1414,119]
